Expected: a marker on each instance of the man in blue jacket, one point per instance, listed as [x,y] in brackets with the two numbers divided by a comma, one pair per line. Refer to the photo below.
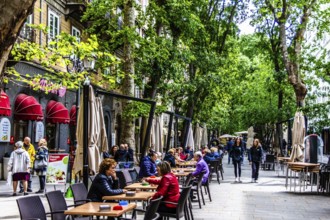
[148,165]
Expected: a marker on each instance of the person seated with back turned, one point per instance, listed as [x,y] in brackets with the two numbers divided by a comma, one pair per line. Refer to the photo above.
[168,187]
[208,157]
[169,157]
[105,182]
[148,165]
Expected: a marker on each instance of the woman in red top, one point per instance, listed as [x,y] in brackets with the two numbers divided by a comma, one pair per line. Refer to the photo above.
[168,187]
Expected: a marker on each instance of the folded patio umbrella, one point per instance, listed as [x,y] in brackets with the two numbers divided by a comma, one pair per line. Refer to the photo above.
[298,135]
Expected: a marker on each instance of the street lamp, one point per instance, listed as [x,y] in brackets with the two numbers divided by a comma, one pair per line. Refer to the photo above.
[77,65]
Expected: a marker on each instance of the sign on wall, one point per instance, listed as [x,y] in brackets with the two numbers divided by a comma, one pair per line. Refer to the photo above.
[57,169]
[5,130]
[40,130]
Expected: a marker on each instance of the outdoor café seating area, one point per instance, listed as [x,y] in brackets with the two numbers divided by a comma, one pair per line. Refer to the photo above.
[136,203]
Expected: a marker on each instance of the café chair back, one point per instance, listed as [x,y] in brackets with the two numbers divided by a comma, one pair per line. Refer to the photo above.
[58,205]
[79,192]
[181,209]
[31,207]
[196,188]
[134,175]
[151,211]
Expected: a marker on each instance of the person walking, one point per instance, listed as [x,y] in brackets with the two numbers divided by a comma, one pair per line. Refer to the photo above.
[19,165]
[31,151]
[237,156]
[229,148]
[41,163]
[255,157]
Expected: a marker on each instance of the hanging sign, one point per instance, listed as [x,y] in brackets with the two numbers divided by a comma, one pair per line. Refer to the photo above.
[40,130]
[5,130]
[57,169]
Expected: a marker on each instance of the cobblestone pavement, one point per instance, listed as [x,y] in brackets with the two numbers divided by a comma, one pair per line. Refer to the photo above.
[268,199]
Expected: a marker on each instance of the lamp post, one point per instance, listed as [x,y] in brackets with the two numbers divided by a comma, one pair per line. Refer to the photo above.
[77,65]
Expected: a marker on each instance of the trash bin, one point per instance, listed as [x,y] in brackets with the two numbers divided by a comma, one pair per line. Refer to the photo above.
[5,172]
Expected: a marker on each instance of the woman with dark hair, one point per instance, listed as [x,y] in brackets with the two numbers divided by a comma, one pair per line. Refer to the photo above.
[237,155]
[113,151]
[168,187]
[255,155]
[106,182]
[148,165]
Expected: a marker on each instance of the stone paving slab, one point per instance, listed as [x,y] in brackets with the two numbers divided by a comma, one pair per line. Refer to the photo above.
[266,200]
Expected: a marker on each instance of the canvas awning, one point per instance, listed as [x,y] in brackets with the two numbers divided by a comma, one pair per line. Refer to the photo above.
[73,115]
[27,108]
[5,109]
[56,112]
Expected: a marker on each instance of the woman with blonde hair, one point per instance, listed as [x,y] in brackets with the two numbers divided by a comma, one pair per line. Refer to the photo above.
[41,163]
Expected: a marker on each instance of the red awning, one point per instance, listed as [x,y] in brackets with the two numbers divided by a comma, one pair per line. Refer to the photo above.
[56,112]
[73,115]
[27,108]
[5,109]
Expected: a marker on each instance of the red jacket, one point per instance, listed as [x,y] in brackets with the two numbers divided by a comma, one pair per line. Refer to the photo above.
[168,187]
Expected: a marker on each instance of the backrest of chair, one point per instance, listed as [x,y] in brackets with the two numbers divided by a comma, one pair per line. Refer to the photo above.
[31,207]
[121,178]
[79,192]
[188,179]
[127,176]
[182,201]
[56,202]
[270,158]
[152,208]
[200,179]
[134,174]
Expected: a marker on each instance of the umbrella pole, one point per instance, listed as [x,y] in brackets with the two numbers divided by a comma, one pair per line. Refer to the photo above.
[85,132]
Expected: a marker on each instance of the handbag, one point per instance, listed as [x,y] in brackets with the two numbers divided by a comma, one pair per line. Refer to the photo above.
[40,164]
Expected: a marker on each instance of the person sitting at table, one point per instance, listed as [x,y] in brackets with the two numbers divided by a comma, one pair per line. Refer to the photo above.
[201,166]
[105,182]
[183,156]
[148,165]
[169,157]
[168,187]
[208,157]
[189,153]
[215,153]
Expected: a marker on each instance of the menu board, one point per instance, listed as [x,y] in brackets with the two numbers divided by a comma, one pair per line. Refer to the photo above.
[4,130]
[57,169]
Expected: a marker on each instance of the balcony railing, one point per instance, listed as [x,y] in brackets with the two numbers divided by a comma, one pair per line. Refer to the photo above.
[28,33]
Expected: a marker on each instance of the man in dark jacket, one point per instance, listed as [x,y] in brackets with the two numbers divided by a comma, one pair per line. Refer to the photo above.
[148,165]
[121,154]
[169,157]
[106,182]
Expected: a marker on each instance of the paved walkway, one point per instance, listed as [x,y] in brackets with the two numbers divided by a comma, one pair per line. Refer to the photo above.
[267,199]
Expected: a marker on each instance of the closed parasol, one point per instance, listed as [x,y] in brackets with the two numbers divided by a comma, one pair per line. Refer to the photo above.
[97,138]
[298,135]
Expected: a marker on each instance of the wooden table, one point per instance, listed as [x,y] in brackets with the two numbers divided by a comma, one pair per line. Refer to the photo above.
[188,170]
[302,168]
[282,162]
[181,174]
[139,196]
[187,164]
[135,186]
[92,209]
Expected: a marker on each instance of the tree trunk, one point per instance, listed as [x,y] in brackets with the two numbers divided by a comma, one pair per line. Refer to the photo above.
[13,15]
[128,126]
